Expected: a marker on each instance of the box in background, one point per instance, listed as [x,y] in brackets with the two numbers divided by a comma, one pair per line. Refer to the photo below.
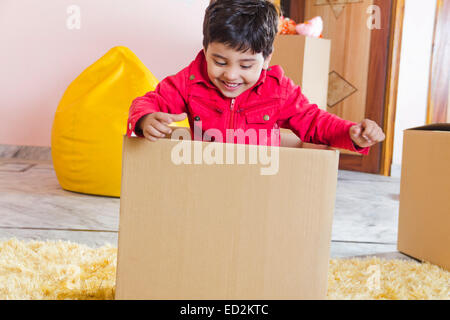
[306,61]
[424,217]
[224,231]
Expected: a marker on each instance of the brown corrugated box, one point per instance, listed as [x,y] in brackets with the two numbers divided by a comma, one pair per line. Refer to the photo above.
[424,217]
[306,61]
[224,231]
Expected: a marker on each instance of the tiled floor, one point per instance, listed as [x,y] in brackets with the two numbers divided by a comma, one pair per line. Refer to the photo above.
[33,206]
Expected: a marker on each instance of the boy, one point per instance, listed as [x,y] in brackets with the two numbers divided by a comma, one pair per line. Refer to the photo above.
[230,86]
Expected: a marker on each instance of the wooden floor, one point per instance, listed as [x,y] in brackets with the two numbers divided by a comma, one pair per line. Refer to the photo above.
[34,206]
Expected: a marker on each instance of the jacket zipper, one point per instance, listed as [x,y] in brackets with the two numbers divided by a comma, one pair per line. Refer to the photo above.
[231,125]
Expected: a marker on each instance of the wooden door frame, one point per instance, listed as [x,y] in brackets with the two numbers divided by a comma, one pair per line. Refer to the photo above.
[384,62]
[390,106]
[438,95]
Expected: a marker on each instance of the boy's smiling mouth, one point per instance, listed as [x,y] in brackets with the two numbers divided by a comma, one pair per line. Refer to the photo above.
[231,86]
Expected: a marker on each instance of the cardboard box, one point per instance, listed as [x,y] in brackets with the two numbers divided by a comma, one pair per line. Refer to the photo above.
[306,61]
[424,218]
[224,231]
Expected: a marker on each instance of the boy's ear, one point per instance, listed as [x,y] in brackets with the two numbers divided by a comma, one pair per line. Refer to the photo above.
[267,61]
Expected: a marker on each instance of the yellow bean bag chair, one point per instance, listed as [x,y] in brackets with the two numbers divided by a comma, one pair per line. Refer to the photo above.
[91,119]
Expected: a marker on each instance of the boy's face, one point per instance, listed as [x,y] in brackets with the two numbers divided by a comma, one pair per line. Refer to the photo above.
[233,71]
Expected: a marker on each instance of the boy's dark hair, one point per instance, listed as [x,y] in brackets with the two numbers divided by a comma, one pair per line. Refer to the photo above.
[242,25]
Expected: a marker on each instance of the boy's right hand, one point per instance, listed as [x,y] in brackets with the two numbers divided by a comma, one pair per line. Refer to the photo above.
[156,125]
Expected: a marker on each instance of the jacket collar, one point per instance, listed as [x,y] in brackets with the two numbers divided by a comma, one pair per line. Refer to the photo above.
[199,73]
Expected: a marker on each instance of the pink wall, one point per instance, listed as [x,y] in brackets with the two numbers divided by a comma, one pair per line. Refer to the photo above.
[40,55]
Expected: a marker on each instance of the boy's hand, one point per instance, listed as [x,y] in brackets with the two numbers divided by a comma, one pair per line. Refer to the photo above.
[156,125]
[366,133]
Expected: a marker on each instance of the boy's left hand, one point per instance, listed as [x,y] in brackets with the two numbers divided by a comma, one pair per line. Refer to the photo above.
[366,133]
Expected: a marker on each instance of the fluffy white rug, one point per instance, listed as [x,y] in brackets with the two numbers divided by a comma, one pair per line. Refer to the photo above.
[65,270]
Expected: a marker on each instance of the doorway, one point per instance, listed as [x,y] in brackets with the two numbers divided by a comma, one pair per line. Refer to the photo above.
[365,48]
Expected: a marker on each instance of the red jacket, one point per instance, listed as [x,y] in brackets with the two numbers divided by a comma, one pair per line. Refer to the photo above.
[273,102]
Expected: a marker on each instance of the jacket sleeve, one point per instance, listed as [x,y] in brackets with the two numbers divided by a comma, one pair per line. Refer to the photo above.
[169,97]
[313,125]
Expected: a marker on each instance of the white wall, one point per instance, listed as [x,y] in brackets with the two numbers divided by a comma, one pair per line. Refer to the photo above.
[418,27]
[40,55]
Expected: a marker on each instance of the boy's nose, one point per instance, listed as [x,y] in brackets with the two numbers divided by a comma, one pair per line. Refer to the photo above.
[230,76]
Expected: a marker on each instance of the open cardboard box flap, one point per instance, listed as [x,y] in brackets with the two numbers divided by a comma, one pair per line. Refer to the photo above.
[433,127]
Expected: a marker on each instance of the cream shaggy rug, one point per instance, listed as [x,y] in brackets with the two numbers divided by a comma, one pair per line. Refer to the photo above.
[65,270]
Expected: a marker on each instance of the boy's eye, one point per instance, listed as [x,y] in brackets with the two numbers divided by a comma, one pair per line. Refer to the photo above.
[223,64]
